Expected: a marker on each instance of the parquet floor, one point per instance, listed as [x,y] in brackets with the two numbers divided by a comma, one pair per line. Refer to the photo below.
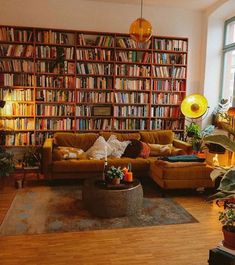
[159,245]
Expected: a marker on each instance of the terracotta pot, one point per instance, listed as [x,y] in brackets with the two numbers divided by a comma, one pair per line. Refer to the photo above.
[116,181]
[229,238]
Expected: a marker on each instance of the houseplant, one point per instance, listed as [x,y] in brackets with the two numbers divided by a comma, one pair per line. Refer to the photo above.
[6,163]
[114,175]
[32,157]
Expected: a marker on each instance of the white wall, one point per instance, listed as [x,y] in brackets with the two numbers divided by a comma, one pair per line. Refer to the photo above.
[111,17]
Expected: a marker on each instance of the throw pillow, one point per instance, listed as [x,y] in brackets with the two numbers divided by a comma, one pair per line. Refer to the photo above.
[64,152]
[145,151]
[99,149]
[133,149]
[160,149]
[117,146]
[177,151]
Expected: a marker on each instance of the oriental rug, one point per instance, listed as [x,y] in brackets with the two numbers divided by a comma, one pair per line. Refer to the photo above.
[37,210]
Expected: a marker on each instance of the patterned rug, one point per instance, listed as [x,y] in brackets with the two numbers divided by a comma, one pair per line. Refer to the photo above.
[37,210]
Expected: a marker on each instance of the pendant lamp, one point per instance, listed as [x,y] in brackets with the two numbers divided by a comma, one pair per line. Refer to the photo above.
[140,30]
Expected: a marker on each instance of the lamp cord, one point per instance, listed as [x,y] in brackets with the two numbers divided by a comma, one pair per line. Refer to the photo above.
[141,9]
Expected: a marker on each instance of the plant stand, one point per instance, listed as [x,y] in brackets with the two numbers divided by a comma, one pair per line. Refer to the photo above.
[21,174]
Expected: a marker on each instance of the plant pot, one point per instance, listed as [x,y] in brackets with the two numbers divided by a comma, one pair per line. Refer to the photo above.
[229,238]
[116,181]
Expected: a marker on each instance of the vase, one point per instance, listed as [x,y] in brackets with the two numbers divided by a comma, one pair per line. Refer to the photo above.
[229,238]
[116,181]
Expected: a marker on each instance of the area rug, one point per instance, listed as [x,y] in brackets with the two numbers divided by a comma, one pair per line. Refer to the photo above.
[39,210]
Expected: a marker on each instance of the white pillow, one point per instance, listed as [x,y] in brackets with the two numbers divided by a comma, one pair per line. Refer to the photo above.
[117,146]
[99,149]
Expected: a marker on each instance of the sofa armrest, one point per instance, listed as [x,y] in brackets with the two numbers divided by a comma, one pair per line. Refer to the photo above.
[187,147]
[47,157]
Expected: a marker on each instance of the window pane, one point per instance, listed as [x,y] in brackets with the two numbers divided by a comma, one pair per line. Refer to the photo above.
[230,36]
[228,80]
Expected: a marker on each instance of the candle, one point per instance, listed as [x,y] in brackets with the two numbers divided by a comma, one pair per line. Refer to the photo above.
[128,176]
[105,152]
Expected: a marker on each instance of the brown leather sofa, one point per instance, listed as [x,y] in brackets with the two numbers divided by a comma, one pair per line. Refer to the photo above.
[86,168]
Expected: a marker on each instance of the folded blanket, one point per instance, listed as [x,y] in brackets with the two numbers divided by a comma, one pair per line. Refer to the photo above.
[166,164]
[183,158]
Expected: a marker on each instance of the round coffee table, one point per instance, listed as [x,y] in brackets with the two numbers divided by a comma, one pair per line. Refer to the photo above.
[112,200]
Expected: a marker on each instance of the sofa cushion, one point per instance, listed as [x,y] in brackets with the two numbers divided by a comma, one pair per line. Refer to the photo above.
[100,149]
[160,149]
[118,147]
[121,136]
[145,151]
[64,152]
[157,136]
[78,140]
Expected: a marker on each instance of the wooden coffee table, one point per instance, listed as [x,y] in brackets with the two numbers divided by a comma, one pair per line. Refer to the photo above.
[112,201]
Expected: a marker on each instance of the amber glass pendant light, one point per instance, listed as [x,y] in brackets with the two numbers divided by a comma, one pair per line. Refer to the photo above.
[140,30]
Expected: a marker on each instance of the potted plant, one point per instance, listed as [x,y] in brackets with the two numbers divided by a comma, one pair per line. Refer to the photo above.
[6,163]
[32,158]
[227,218]
[115,175]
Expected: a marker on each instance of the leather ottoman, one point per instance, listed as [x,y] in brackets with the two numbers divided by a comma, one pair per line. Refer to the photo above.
[181,175]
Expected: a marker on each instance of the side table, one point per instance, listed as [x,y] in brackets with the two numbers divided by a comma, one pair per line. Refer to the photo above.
[24,170]
[220,257]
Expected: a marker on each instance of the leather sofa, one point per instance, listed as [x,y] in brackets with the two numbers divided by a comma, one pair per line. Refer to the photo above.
[86,168]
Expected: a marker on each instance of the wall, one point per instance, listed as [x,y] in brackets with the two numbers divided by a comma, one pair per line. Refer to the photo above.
[111,17]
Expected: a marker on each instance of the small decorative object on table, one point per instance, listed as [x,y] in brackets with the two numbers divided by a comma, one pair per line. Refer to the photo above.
[114,175]
[128,175]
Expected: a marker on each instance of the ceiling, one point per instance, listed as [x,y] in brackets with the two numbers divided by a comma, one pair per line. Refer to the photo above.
[188,4]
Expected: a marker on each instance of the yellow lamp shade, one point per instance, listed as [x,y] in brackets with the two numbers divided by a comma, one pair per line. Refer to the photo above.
[194,106]
[140,30]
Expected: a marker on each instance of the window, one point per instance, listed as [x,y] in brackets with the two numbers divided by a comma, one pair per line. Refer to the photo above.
[228,78]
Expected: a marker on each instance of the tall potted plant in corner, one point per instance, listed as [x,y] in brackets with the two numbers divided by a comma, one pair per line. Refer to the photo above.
[6,164]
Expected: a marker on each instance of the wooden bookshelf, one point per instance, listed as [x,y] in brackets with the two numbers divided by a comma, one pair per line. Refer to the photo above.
[52,79]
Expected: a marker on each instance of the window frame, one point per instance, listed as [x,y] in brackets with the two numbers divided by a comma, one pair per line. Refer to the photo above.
[226,48]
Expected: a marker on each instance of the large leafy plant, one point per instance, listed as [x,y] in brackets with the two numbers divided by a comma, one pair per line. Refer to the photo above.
[6,162]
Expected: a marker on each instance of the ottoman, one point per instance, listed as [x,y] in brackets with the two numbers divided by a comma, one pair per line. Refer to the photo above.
[181,175]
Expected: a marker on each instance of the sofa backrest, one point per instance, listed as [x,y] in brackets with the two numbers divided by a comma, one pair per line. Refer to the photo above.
[78,140]
[157,136]
[123,136]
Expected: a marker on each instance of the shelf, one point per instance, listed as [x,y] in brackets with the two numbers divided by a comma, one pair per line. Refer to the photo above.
[136,76]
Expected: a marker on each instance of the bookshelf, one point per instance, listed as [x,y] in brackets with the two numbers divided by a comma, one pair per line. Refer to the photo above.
[53,79]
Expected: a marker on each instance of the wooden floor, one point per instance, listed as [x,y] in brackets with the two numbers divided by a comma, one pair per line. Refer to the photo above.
[181,244]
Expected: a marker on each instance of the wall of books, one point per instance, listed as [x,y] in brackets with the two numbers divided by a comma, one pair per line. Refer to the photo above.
[63,80]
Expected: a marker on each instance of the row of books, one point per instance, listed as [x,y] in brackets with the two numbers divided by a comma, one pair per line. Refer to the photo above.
[93,124]
[16,94]
[54,110]
[49,52]
[131,98]
[167,58]
[126,42]
[20,139]
[158,124]
[16,50]
[125,111]
[55,95]
[18,124]
[132,84]
[94,54]
[55,124]
[133,56]
[95,40]
[54,67]
[166,98]
[169,72]
[168,85]
[13,34]
[94,82]
[17,109]
[42,136]
[171,45]
[130,124]
[55,81]
[132,70]
[17,79]
[94,69]
[165,112]
[21,66]
[54,37]
[94,97]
